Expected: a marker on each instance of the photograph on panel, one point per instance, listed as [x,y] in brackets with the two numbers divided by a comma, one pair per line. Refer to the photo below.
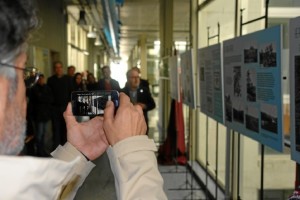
[238,111]
[268,117]
[251,85]
[250,55]
[252,118]
[267,55]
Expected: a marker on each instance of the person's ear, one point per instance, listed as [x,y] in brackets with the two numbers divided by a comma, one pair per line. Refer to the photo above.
[4,85]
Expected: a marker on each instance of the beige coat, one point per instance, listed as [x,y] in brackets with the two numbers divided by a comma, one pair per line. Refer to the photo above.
[132,160]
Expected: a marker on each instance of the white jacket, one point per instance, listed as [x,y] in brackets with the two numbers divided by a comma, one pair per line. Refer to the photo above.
[132,160]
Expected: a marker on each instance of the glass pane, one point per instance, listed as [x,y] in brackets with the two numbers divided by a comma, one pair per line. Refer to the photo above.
[285,3]
[221,12]
[222,154]
[212,144]
[252,10]
[250,169]
[279,169]
[201,1]
[201,140]
[217,151]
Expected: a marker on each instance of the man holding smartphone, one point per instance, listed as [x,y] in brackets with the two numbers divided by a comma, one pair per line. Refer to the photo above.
[131,153]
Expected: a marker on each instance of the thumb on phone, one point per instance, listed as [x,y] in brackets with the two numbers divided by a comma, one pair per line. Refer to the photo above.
[109,110]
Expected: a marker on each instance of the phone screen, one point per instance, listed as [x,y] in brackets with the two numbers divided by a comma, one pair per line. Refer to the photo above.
[92,103]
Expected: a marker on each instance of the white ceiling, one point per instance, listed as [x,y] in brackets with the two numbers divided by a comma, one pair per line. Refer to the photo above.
[141,17]
[138,18]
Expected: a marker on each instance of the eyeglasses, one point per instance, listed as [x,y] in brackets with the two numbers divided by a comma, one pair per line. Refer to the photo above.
[31,74]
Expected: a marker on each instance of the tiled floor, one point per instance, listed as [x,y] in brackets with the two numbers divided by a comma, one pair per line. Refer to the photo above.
[179,184]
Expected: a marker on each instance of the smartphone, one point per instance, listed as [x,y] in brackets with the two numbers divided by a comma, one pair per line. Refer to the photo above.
[92,103]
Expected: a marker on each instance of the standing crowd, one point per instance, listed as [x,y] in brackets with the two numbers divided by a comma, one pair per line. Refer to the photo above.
[48,99]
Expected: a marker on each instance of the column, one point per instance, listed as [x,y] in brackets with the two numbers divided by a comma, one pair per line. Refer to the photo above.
[143,55]
[166,41]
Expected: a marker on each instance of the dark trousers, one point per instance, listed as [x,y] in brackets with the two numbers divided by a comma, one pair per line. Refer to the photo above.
[59,126]
[40,128]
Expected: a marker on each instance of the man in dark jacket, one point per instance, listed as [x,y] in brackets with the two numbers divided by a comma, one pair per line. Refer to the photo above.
[41,99]
[139,95]
[107,83]
[143,82]
[61,87]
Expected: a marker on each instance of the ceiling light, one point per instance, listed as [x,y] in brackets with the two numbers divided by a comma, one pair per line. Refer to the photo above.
[85,52]
[98,42]
[81,20]
[91,33]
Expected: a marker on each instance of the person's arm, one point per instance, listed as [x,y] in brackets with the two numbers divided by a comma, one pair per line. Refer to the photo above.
[131,153]
[80,171]
[134,166]
[86,141]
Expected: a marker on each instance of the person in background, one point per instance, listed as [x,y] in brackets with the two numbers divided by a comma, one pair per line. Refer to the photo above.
[41,99]
[139,95]
[61,87]
[143,82]
[91,83]
[77,83]
[107,83]
[30,78]
[71,70]
[24,177]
